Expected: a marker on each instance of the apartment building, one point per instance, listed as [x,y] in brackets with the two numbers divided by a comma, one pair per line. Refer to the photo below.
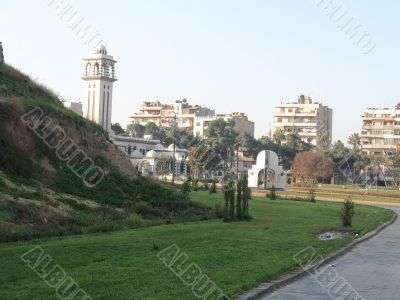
[74,106]
[242,125]
[165,115]
[380,133]
[311,120]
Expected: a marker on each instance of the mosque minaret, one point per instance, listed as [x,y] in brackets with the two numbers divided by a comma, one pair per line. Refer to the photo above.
[99,76]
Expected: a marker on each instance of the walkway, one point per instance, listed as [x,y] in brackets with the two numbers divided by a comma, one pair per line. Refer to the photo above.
[371,268]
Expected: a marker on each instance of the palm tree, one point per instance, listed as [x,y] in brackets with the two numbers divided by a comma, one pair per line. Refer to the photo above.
[355,141]
[279,136]
[323,140]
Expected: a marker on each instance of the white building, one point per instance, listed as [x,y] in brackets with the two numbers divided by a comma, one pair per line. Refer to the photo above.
[242,125]
[380,133]
[74,106]
[145,154]
[99,76]
[311,120]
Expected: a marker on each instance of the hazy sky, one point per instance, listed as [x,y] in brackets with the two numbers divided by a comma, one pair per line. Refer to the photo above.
[230,55]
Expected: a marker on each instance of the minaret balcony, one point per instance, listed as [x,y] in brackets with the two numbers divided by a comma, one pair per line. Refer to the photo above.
[98,77]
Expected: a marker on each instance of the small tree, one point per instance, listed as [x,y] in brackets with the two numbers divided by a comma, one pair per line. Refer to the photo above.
[226,206]
[186,187]
[347,212]
[195,184]
[311,195]
[272,193]
[232,204]
[229,196]
[213,188]
[246,197]
[239,196]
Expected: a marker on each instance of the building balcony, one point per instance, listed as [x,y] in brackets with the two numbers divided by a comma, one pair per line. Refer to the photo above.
[295,124]
[384,127]
[378,146]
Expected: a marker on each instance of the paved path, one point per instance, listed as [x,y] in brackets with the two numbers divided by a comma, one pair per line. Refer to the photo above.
[372,269]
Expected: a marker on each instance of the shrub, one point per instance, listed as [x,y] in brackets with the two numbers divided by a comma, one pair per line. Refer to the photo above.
[186,187]
[347,212]
[311,195]
[219,211]
[239,198]
[195,184]
[245,197]
[213,188]
[272,193]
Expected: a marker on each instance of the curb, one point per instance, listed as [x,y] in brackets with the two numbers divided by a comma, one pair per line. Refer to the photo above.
[269,287]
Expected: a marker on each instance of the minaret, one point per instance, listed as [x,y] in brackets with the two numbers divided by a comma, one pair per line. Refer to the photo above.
[99,76]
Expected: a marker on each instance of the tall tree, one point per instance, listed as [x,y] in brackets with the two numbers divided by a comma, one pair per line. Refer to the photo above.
[239,198]
[279,136]
[203,159]
[155,131]
[323,140]
[135,130]
[164,165]
[293,140]
[393,167]
[245,197]
[117,128]
[309,166]
[355,141]
[222,138]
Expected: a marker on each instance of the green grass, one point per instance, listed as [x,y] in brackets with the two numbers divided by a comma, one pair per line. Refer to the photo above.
[343,195]
[237,256]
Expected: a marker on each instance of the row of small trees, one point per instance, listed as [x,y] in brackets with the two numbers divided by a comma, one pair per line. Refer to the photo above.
[240,210]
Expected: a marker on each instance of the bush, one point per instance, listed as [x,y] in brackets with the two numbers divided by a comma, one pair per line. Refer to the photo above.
[186,187]
[311,195]
[195,185]
[219,212]
[272,193]
[213,188]
[347,212]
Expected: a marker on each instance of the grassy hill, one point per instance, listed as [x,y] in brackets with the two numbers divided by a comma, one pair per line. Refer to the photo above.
[39,193]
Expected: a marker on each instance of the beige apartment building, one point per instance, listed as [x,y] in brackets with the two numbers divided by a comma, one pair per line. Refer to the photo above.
[311,120]
[242,125]
[194,118]
[380,133]
[165,115]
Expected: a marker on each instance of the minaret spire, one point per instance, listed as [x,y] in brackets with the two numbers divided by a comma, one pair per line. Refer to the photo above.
[99,76]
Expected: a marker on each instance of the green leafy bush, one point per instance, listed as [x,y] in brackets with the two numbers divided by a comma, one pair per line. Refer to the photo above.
[347,212]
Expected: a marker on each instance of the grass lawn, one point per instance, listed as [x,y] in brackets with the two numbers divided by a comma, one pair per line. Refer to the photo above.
[236,256]
[344,195]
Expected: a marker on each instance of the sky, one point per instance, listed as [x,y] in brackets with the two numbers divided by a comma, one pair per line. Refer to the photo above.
[230,55]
